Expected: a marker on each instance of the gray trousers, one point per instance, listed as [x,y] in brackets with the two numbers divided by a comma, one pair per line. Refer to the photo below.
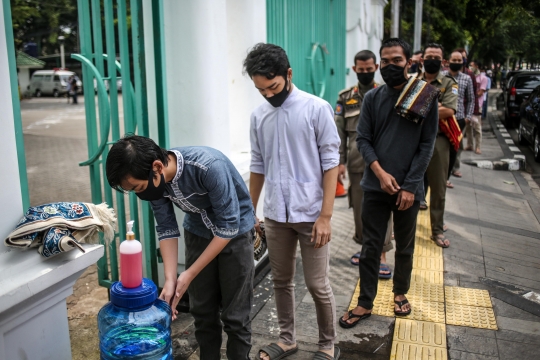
[226,283]
[282,239]
[356,196]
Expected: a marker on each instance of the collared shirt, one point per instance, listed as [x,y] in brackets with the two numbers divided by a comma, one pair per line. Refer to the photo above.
[465,96]
[482,81]
[347,115]
[466,71]
[209,189]
[292,145]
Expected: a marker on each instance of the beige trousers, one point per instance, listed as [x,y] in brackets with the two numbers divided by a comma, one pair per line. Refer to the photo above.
[282,239]
[473,129]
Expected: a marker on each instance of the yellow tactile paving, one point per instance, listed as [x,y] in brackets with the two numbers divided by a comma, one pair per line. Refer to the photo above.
[429,292]
[426,311]
[424,250]
[428,263]
[471,316]
[464,296]
[427,276]
[420,332]
[408,351]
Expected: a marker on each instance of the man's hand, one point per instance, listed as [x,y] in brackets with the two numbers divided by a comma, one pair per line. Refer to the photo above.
[405,200]
[322,232]
[182,285]
[341,173]
[167,295]
[388,183]
[258,226]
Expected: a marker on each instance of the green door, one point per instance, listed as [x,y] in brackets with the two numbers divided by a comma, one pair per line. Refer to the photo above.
[312,32]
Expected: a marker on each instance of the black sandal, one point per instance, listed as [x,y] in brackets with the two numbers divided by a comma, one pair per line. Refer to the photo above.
[275,352]
[400,304]
[344,324]
[319,355]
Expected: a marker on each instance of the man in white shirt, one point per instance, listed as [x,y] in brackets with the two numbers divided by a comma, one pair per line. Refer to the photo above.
[295,154]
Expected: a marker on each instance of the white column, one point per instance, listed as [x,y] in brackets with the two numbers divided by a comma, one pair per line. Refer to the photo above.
[394,32]
[196,67]
[418,25]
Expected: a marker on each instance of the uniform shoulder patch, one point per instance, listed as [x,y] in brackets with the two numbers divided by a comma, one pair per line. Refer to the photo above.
[455,89]
[339,109]
[351,101]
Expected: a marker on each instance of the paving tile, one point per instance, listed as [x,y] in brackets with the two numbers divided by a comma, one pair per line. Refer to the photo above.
[518,337]
[426,311]
[472,316]
[420,333]
[466,340]
[513,350]
[407,351]
[427,276]
[503,309]
[462,355]
[465,296]
[517,325]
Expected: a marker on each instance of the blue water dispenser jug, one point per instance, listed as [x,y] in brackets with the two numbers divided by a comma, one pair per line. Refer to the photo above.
[135,324]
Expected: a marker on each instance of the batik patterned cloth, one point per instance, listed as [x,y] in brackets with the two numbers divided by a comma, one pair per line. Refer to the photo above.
[416,100]
[57,227]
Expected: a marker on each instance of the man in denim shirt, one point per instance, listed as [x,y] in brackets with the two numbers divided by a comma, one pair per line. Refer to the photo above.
[218,230]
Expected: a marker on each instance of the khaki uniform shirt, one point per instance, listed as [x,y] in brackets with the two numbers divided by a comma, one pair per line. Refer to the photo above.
[449,90]
[347,115]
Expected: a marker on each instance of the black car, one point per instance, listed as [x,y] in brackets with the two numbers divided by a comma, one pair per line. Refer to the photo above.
[518,89]
[529,124]
[508,78]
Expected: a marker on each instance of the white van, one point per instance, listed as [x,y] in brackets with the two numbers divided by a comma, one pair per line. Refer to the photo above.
[51,82]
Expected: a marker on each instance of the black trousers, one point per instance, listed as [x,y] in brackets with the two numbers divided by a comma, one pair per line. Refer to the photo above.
[226,283]
[376,210]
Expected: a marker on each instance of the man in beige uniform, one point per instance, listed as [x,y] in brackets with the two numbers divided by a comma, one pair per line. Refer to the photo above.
[347,114]
[437,171]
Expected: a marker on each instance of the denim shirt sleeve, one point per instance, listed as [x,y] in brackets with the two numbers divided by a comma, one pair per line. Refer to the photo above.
[224,200]
[166,225]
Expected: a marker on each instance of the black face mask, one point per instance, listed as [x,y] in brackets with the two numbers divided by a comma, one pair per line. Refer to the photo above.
[152,192]
[278,99]
[432,66]
[365,78]
[413,68]
[455,66]
[464,62]
[393,75]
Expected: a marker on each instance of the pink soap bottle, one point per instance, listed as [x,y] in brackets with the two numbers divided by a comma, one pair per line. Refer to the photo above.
[130,260]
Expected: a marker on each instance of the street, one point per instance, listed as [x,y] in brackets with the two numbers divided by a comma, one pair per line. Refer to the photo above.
[494,230]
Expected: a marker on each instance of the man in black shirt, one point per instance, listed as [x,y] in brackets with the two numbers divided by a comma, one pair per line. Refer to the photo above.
[397,152]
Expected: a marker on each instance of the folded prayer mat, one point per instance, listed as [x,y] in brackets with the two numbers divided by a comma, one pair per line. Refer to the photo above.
[57,227]
[416,100]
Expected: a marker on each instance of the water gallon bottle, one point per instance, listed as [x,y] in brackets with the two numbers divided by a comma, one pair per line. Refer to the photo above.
[135,324]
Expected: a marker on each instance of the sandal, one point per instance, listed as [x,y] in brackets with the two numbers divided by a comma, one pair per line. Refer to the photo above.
[344,324]
[423,205]
[400,304]
[384,267]
[449,185]
[439,240]
[444,228]
[319,355]
[275,352]
[457,174]
[356,256]
[478,151]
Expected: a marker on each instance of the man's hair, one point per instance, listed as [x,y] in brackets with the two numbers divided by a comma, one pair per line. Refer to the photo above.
[478,63]
[462,50]
[267,60]
[397,42]
[133,156]
[365,55]
[433,46]
[419,52]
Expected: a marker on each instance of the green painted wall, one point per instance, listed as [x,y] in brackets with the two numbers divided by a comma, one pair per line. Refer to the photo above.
[297,26]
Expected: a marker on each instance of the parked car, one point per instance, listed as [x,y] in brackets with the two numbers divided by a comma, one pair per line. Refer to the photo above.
[509,75]
[51,82]
[518,89]
[529,124]
[106,82]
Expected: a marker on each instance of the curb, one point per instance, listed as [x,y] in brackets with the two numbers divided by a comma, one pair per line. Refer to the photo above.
[516,163]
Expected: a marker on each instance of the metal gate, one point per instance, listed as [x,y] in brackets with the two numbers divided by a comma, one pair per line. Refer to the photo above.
[312,32]
[107,21]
